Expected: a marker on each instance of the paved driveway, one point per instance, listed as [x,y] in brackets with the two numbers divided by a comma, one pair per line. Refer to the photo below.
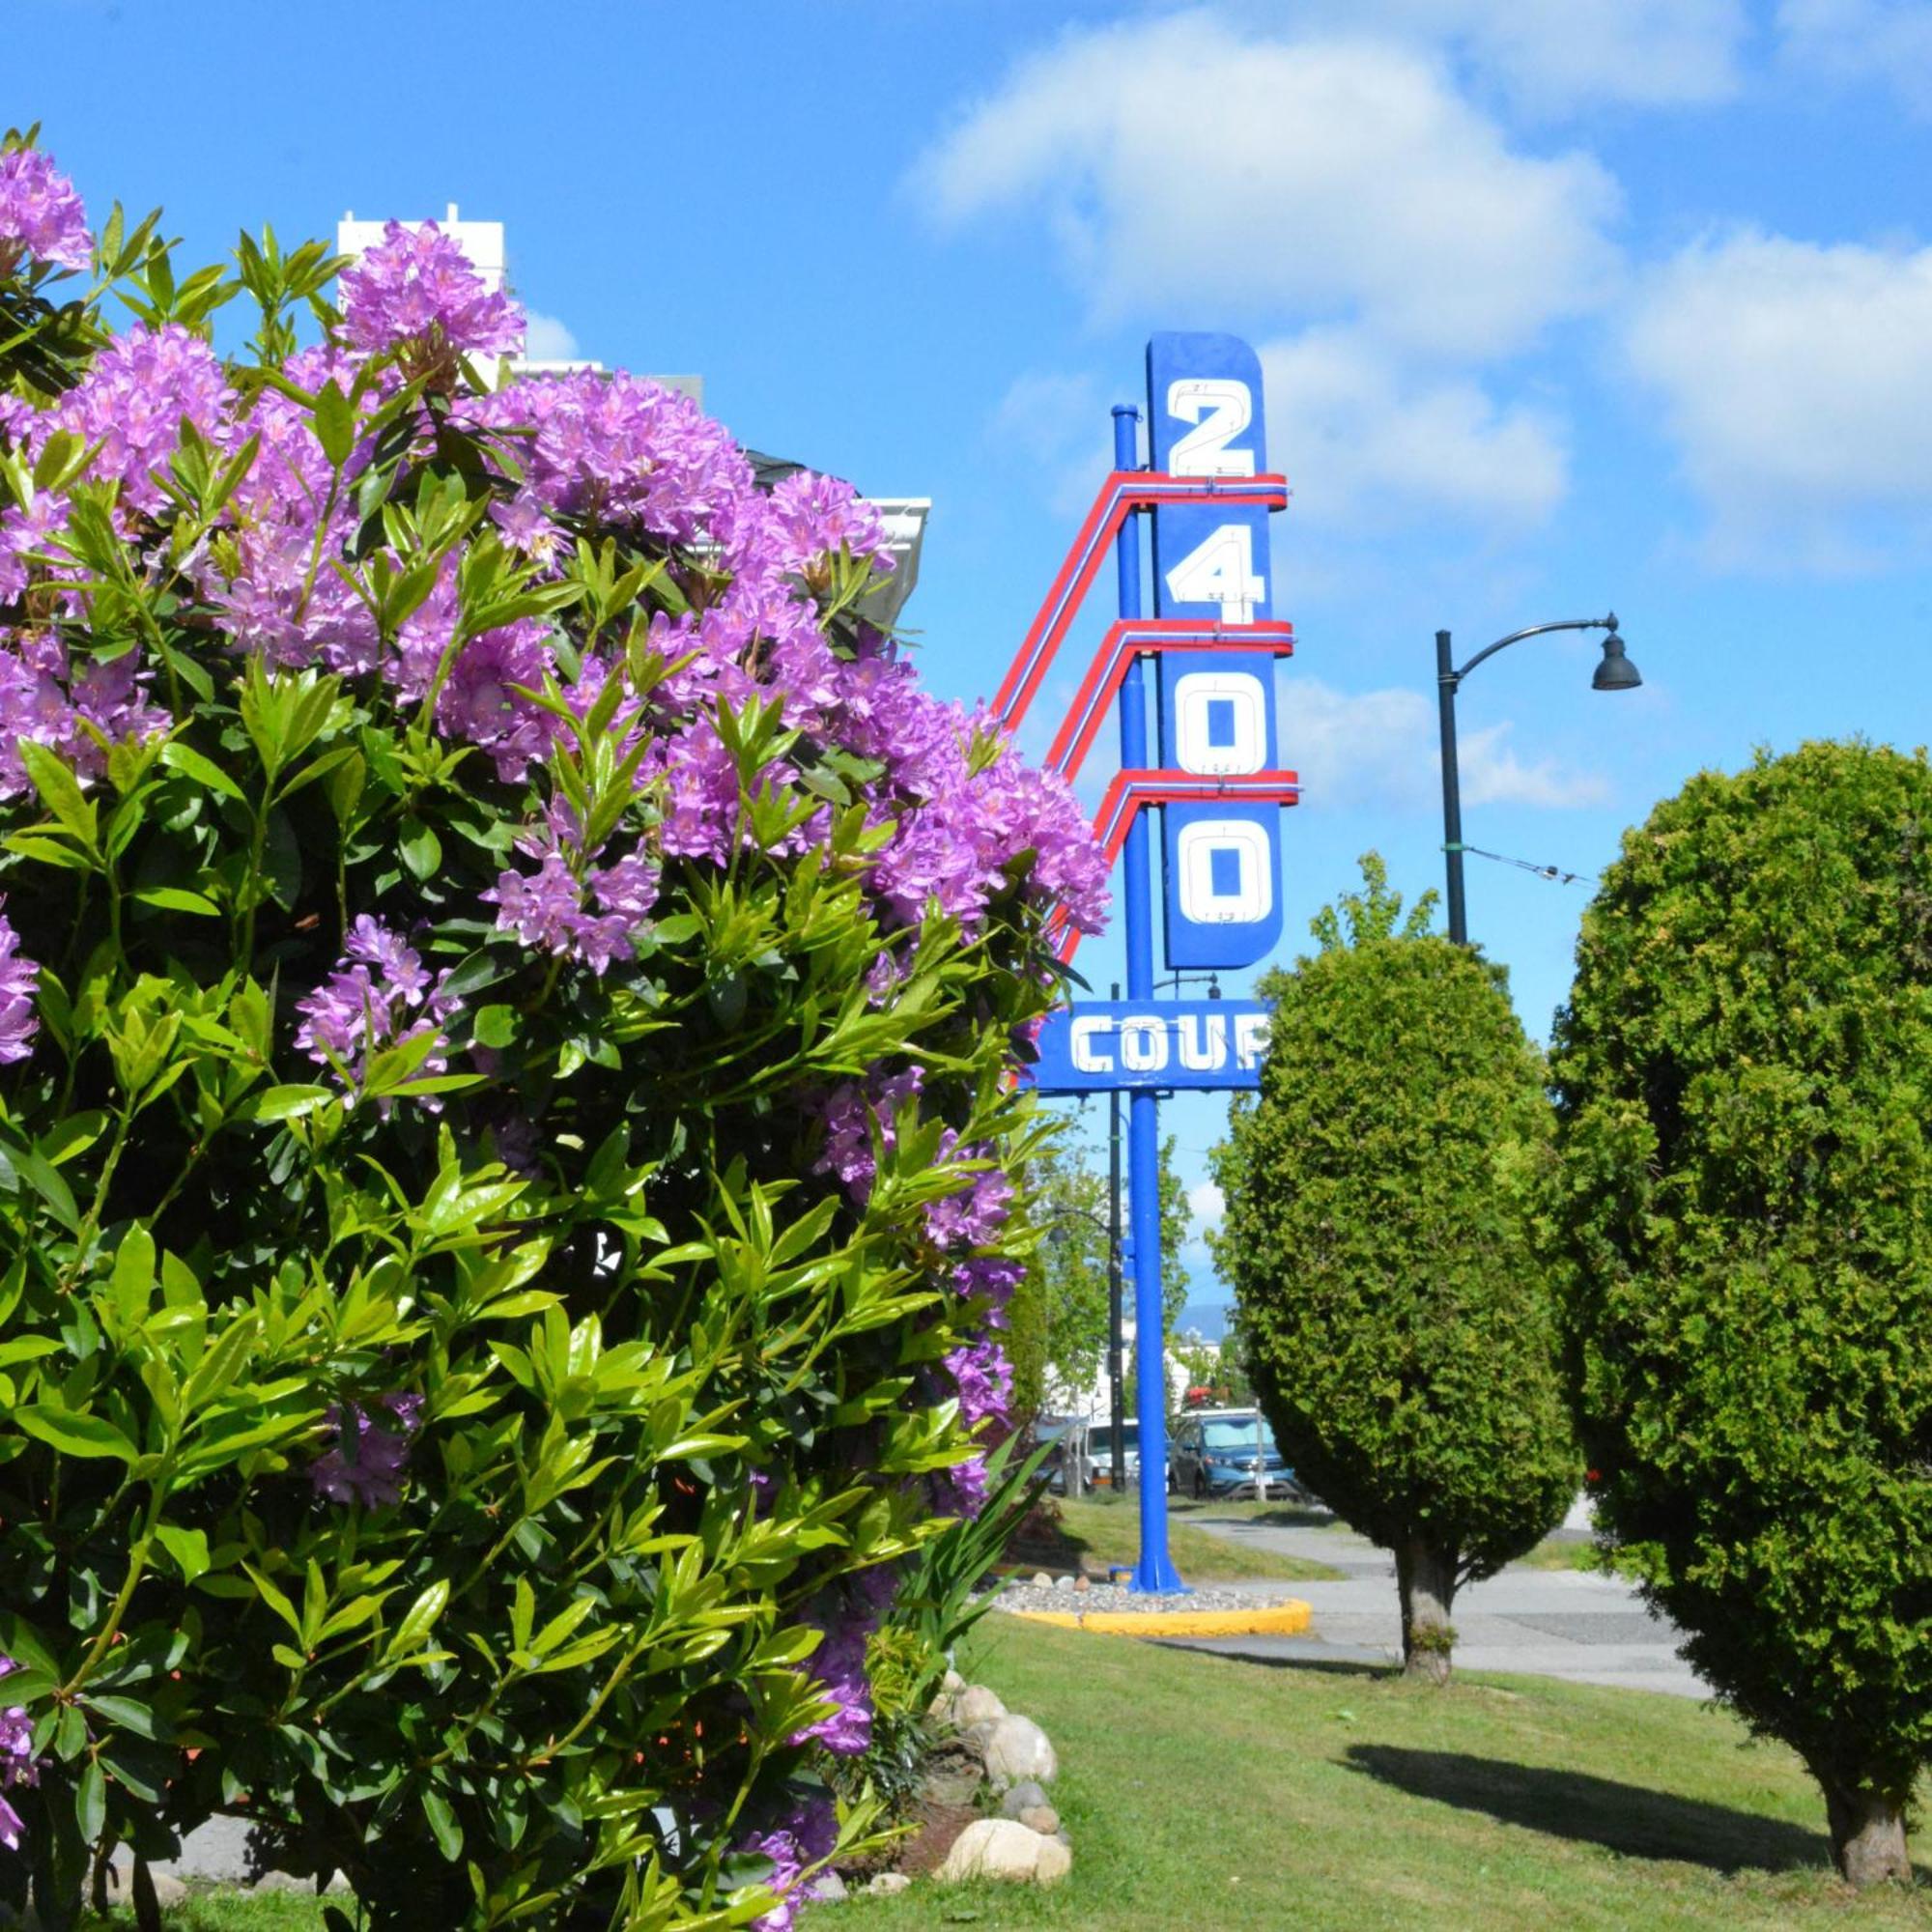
[1577,1624]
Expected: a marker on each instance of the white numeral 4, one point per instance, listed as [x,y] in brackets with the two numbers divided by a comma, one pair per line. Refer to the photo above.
[1228,409]
[1221,571]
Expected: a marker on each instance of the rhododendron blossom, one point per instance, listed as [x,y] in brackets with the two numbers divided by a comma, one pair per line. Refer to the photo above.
[40,215]
[18,979]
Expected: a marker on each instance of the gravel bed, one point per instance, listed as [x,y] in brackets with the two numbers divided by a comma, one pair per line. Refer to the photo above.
[1112,1597]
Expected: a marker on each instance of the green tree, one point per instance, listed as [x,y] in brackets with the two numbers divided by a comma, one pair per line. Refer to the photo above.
[1742,1077]
[1067,1279]
[1399,1325]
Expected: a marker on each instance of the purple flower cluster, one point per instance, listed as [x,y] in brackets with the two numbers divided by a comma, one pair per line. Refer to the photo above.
[982,1378]
[622,450]
[371,1450]
[987,1283]
[961,1490]
[852,1115]
[839,1665]
[18,979]
[974,1214]
[18,1766]
[805,1835]
[39,213]
[378,996]
[45,702]
[131,402]
[548,909]
[416,292]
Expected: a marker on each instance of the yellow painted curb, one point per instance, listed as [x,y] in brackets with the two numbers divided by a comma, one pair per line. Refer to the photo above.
[1288,1619]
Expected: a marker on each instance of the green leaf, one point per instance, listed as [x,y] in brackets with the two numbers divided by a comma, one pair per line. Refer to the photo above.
[414,1628]
[442,1823]
[126,1713]
[334,422]
[188,1546]
[74,1433]
[284,1103]
[496,1025]
[61,793]
[186,760]
[177,898]
[90,1801]
[420,847]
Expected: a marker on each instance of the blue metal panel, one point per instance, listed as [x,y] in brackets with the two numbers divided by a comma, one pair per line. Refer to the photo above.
[1222,868]
[1153,1047]
[1222,871]
[1205,406]
[1217,713]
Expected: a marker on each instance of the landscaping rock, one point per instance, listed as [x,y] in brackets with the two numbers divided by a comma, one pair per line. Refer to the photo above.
[952,1683]
[1042,1580]
[1083,1583]
[1001,1848]
[886,1884]
[827,1888]
[1015,1749]
[977,1705]
[1063,1582]
[1041,1818]
[1020,1797]
[954,1771]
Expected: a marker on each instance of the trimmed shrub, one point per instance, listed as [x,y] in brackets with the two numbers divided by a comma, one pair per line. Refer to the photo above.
[508,994]
[1396,1320]
[1747,1202]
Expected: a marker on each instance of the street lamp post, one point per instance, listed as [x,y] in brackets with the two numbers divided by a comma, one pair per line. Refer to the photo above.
[1615,672]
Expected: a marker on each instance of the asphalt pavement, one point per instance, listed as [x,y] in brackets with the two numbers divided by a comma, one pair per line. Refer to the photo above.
[1582,1625]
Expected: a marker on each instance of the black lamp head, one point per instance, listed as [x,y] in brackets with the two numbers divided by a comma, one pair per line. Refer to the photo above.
[1616,672]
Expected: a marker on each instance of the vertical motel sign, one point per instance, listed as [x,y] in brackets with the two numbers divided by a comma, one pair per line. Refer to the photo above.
[1215,777]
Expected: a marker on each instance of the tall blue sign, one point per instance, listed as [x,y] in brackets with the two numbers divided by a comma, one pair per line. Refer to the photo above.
[1214,774]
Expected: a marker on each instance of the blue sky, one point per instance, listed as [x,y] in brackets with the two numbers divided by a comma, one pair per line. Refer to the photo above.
[1616,302]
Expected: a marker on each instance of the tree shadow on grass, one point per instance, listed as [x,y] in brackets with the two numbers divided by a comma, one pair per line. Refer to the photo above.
[1621,1818]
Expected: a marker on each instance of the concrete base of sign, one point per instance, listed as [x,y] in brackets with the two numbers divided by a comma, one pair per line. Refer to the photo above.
[1288,1619]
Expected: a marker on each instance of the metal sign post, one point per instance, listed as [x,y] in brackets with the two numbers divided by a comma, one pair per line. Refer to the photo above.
[1217,783]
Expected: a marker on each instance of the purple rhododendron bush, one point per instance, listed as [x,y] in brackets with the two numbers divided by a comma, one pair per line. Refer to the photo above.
[508,1000]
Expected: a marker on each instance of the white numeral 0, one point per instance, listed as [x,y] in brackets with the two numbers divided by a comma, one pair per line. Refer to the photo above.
[1229,408]
[1221,571]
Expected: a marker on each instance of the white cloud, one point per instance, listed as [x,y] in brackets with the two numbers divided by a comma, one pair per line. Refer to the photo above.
[1368,445]
[1797,383]
[1207,1205]
[1557,54]
[1884,41]
[1381,748]
[1055,428]
[1187,167]
[548,340]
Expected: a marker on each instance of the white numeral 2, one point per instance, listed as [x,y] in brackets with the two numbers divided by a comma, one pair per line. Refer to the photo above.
[1229,408]
[1221,571]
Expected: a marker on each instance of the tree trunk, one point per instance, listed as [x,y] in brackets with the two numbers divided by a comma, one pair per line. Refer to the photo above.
[1425,1575]
[1867,1834]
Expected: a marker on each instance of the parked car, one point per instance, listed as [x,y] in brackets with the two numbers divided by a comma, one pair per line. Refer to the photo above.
[1230,1451]
[1063,1436]
[1100,1455]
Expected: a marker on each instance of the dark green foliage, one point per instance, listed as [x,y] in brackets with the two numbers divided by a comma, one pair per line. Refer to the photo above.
[1397,1323]
[1742,1076]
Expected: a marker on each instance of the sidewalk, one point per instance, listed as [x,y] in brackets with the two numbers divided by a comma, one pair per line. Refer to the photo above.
[1580,1625]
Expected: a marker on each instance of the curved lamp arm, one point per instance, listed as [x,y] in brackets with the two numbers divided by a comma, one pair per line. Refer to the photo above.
[1608,623]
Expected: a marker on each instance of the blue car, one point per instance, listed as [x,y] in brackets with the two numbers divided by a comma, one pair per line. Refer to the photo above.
[1229,1453]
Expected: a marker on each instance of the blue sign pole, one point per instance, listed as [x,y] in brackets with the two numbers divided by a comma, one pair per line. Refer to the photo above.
[1155,1571]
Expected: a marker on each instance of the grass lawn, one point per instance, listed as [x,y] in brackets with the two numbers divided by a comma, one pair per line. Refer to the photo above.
[1106,1529]
[1205,1794]
[232,1912]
